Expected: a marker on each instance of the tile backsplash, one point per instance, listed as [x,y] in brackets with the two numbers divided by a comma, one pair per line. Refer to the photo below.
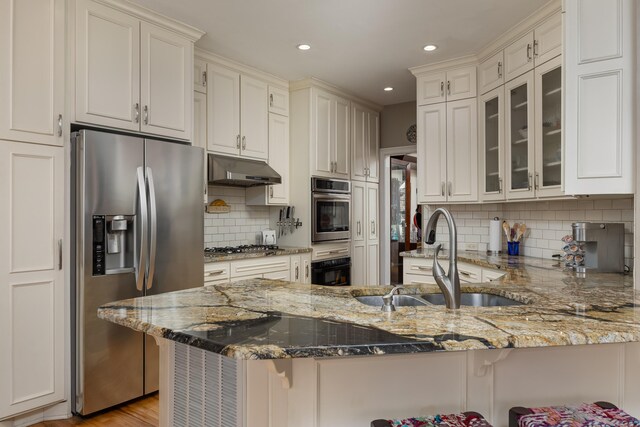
[547,222]
[241,226]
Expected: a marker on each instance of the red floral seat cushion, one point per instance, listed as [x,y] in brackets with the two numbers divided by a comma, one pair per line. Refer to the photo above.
[451,420]
[585,415]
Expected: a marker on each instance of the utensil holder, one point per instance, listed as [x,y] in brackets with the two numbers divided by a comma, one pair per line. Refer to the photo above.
[513,248]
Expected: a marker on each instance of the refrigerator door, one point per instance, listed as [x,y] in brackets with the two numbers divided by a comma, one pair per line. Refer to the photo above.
[174,179]
[109,358]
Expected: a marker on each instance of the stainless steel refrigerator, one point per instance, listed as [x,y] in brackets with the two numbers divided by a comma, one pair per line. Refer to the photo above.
[137,230]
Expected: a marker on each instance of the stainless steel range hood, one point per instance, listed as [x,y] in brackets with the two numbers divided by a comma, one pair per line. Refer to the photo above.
[239,172]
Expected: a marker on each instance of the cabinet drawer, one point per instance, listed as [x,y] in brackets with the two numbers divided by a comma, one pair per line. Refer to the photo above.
[491,275]
[330,251]
[418,279]
[216,271]
[469,273]
[422,266]
[279,275]
[259,266]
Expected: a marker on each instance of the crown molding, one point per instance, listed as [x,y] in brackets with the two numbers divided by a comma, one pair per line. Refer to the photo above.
[313,82]
[449,64]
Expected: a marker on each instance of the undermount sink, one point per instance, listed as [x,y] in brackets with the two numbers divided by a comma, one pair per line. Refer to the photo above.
[474,299]
[398,300]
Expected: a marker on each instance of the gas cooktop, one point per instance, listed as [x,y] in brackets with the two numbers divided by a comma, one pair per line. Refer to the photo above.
[243,249]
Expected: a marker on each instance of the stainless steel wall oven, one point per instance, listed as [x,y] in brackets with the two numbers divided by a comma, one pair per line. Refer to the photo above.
[331,210]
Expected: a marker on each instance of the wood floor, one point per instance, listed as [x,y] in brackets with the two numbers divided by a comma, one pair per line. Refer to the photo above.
[139,413]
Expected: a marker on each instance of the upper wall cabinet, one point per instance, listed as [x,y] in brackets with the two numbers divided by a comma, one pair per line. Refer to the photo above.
[278,101]
[365,142]
[600,57]
[32,69]
[459,83]
[199,75]
[238,113]
[132,74]
[330,136]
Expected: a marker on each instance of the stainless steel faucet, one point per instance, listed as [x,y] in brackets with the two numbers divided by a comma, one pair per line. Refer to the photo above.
[449,283]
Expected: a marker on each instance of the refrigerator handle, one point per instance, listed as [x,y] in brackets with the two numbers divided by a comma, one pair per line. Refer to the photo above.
[153,229]
[142,262]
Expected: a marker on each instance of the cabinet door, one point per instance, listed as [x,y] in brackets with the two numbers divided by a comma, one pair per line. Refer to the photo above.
[223,110]
[278,101]
[358,264]
[254,118]
[372,212]
[32,302]
[518,57]
[432,152]
[462,151]
[358,211]
[548,129]
[491,132]
[200,132]
[548,40]
[323,109]
[373,147]
[279,157]
[430,88]
[32,70]
[373,264]
[490,73]
[342,146]
[199,75]
[519,134]
[166,93]
[107,66]
[306,267]
[461,84]
[296,270]
[359,142]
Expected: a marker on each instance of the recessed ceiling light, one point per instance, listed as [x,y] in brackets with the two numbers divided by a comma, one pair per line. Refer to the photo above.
[430,47]
[388,89]
[304,47]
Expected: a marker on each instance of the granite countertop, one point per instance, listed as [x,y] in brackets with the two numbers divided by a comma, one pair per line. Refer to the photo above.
[281,251]
[266,319]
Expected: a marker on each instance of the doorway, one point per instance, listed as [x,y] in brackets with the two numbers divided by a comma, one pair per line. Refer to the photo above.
[404,213]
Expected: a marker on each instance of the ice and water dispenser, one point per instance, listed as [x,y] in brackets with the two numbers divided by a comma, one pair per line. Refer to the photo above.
[602,246]
[113,244]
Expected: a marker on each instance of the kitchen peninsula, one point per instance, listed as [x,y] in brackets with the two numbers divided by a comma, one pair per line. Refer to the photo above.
[289,350]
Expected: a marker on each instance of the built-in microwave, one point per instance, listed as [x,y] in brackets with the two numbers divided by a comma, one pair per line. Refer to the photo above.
[331,210]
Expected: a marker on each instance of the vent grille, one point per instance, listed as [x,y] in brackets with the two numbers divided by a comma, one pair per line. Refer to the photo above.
[206,389]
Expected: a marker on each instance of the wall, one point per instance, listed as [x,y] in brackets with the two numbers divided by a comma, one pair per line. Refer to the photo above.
[394,121]
[547,222]
[241,226]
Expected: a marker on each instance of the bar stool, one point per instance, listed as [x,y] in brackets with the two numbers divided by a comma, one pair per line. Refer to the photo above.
[586,414]
[465,419]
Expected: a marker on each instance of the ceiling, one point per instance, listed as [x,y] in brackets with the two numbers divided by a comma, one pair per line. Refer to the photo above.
[359,45]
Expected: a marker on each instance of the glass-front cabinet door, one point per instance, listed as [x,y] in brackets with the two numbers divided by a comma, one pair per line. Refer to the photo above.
[492,145]
[519,137]
[549,140]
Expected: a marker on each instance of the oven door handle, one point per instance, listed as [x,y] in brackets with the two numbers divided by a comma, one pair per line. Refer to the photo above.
[339,197]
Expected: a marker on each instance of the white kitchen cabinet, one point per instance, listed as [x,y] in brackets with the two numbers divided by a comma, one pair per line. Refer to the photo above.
[278,101]
[237,110]
[600,78]
[200,133]
[452,85]
[216,272]
[323,251]
[520,153]
[491,143]
[491,73]
[306,267]
[330,147]
[419,271]
[365,142]
[131,74]
[32,292]
[199,75]
[448,143]
[301,268]
[277,194]
[295,268]
[534,48]
[364,241]
[32,68]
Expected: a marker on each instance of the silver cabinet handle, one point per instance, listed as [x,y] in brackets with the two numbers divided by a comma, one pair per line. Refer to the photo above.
[464,273]
[271,191]
[535,48]
[529,57]
[60,254]
[442,188]
[449,186]
[535,181]
[204,78]
[238,141]
[146,114]
[214,273]
[306,271]
[529,182]
[244,142]
[448,87]
[136,109]
[297,272]
[142,262]
[424,268]
[500,69]
[499,185]
[373,227]
[270,100]
[358,228]
[441,88]
[153,228]
[59,124]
